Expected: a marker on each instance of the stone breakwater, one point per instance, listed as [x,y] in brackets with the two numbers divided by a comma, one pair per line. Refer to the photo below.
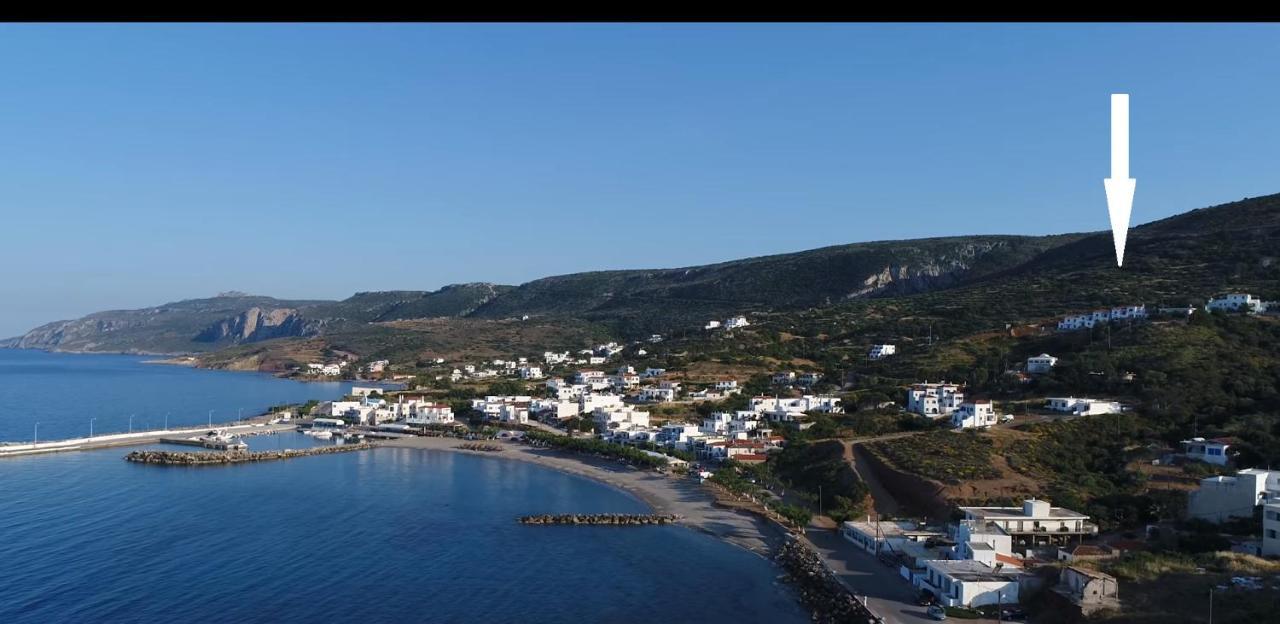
[487,448]
[182,458]
[818,588]
[601,519]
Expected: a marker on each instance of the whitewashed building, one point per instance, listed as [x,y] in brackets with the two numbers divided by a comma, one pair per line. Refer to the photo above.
[934,399]
[1222,497]
[1082,406]
[1042,363]
[881,351]
[1035,521]
[1209,451]
[971,583]
[1235,302]
[736,322]
[658,395]
[426,413]
[974,415]
[1271,529]
[530,372]
[621,417]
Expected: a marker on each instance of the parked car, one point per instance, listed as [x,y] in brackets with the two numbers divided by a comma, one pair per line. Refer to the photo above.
[937,612]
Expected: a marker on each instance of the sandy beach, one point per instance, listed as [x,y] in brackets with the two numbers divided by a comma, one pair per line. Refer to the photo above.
[682,496]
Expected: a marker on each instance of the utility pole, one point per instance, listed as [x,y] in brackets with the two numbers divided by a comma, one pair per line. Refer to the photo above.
[35,437]
[91,425]
[210,418]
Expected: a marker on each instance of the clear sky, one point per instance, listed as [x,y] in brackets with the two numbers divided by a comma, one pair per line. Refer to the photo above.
[149,163]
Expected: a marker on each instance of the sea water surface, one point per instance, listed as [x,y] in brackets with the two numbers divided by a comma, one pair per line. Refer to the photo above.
[389,535]
[55,395]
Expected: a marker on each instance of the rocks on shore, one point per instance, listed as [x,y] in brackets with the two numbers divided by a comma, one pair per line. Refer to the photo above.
[602,519]
[184,458]
[476,446]
[818,588]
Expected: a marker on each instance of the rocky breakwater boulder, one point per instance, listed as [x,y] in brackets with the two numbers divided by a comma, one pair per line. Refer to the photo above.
[475,446]
[602,519]
[186,458]
[819,589]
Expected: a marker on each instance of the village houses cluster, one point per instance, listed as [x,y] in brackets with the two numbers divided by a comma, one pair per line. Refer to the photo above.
[1231,302]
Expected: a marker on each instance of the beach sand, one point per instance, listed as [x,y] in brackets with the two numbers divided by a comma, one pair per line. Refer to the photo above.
[682,496]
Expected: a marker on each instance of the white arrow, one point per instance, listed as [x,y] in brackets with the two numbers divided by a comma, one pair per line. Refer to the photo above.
[1119,186]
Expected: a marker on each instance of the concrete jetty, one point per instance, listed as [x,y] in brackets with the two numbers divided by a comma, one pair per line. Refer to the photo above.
[133,439]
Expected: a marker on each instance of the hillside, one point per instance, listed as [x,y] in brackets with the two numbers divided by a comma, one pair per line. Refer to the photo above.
[831,300]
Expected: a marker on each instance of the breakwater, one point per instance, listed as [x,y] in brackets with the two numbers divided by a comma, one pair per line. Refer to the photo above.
[182,458]
[475,446]
[818,588]
[602,519]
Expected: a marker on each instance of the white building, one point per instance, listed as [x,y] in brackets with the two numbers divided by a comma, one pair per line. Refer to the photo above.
[588,376]
[650,373]
[784,378]
[736,322]
[974,415]
[1042,363]
[887,535]
[530,372]
[789,409]
[658,395]
[592,402]
[677,434]
[547,409]
[1082,406]
[971,583]
[1233,496]
[1208,451]
[808,379]
[565,391]
[620,418]
[423,413]
[1235,302]
[1122,313]
[881,351]
[727,387]
[1271,530]
[934,399]
[712,325]
[1034,520]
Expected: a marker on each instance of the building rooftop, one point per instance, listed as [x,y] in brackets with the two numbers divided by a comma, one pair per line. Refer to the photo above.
[975,571]
[887,529]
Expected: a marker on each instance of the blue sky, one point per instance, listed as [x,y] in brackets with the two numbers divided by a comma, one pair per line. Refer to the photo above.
[150,163]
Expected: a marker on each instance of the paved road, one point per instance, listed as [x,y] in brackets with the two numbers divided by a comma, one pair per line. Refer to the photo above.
[888,595]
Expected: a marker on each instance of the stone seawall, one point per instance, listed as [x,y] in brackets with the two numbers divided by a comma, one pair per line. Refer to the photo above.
[601,519]
[183,458]
[818,588]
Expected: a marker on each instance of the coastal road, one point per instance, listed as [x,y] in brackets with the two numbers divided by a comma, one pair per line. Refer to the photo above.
[887,595]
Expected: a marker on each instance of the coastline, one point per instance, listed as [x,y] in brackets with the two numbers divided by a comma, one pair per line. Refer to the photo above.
[662,494]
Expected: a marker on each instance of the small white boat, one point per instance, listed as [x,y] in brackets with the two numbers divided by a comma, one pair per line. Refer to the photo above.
[319,433]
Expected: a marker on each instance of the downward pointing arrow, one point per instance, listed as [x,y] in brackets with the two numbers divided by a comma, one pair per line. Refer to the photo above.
[1120,186]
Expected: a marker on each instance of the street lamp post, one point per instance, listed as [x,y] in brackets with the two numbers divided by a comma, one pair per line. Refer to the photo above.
[131,422]
[210,418]
[91,425]
[35,437]
[166,421]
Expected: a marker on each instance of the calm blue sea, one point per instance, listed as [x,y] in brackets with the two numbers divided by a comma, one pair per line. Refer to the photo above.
[63,391]
[390,535]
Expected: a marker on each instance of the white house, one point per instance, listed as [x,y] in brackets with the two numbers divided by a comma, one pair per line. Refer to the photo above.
[887,535]
[423,413]
[1233,496]
[563,390]
[881,351]
[588,376]
[934,399]
[736,322]
[808,379]
[1208,451]
[1271,529]
[971,583]
[1034,520]
[712,325]
[728,386]
[650,373]
[1042,363]
[784,378]
[974,415]
[1082,406]
[531,372]
[547,409]
[623,417]
[788,409]
[1235,302]
[658,395]
[592,402]
[677,434]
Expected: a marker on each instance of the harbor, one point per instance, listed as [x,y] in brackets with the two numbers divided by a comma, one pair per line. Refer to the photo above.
[185,436]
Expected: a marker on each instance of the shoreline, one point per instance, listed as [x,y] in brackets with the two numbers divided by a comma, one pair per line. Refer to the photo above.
[662,494]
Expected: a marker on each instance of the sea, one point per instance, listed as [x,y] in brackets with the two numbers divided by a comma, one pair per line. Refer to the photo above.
[388,535]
